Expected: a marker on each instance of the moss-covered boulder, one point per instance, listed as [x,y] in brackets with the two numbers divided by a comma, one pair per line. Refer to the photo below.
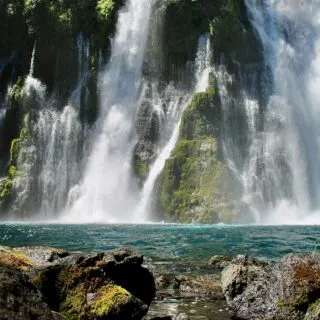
[15,259]
[111,285]
[100,286]
[108,302]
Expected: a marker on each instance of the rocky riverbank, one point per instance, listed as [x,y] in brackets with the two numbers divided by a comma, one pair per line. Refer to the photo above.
[43,283]
[46,283]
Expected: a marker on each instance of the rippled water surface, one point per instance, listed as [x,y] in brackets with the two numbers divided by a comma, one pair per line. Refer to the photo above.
[168,242]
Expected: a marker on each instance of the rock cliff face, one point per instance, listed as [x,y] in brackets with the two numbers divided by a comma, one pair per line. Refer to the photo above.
[69,43]
[46,46]
[196,184]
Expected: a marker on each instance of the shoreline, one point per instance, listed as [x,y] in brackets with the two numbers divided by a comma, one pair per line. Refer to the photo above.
[285,289]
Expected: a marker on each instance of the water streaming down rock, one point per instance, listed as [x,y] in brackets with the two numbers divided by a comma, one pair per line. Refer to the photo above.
[270,143]
[51,166]
[33,87]
[170,132]
[2,115]
[108,193]
[280,175]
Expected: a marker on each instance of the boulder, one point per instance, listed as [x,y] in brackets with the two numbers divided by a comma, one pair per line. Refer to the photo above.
[219,261]
[111,285]
[289,289]
[207,285]
[19,299]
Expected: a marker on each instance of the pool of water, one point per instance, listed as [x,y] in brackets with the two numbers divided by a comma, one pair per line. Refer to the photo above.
[168,243]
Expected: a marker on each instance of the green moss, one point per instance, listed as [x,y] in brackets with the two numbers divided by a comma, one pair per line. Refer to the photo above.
[12,172]
[17,91]
[6,184]
[195,184]
[5,189]
[314,310]
[73,306]
[105,9]
[109,299]
[104,301]
[141,169]
[25,137]
[212,25]
[14,259]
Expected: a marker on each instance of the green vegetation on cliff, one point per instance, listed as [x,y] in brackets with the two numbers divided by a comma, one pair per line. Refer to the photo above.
[195,185]
[24,141]
[184,21]
[59,33]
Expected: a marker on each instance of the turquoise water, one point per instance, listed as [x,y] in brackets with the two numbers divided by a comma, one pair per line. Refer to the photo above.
[168,242]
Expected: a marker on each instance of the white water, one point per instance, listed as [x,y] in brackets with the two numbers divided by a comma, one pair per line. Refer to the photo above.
[282,173]
[61,137]
[49,168]
[178,104]
[33,87]
[2,115]
[108,192]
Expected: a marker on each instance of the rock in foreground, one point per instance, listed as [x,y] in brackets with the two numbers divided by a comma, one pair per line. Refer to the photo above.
[49,284]
[286,290]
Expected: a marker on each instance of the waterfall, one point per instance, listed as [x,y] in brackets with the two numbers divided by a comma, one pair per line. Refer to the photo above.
[281,173]
[108,193]
[178,103]
[33,87]
[51,166]
[61,137]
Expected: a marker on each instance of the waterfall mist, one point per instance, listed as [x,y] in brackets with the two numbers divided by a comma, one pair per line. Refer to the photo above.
[280,175]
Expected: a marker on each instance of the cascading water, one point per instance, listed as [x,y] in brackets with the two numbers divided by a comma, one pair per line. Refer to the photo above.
[108,192]
[281,174]
[33,86]
[2,115]
[56,160]
[170,133]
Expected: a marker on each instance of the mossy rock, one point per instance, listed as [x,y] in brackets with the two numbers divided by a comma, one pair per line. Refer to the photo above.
[15,259]
[196,186]
[17,92]
[313,311]
[305,284]
[6,194]
[141,168]
[17,157]
[108,302]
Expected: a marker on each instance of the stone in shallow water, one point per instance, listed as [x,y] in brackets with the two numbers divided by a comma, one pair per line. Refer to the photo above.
[219,261]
